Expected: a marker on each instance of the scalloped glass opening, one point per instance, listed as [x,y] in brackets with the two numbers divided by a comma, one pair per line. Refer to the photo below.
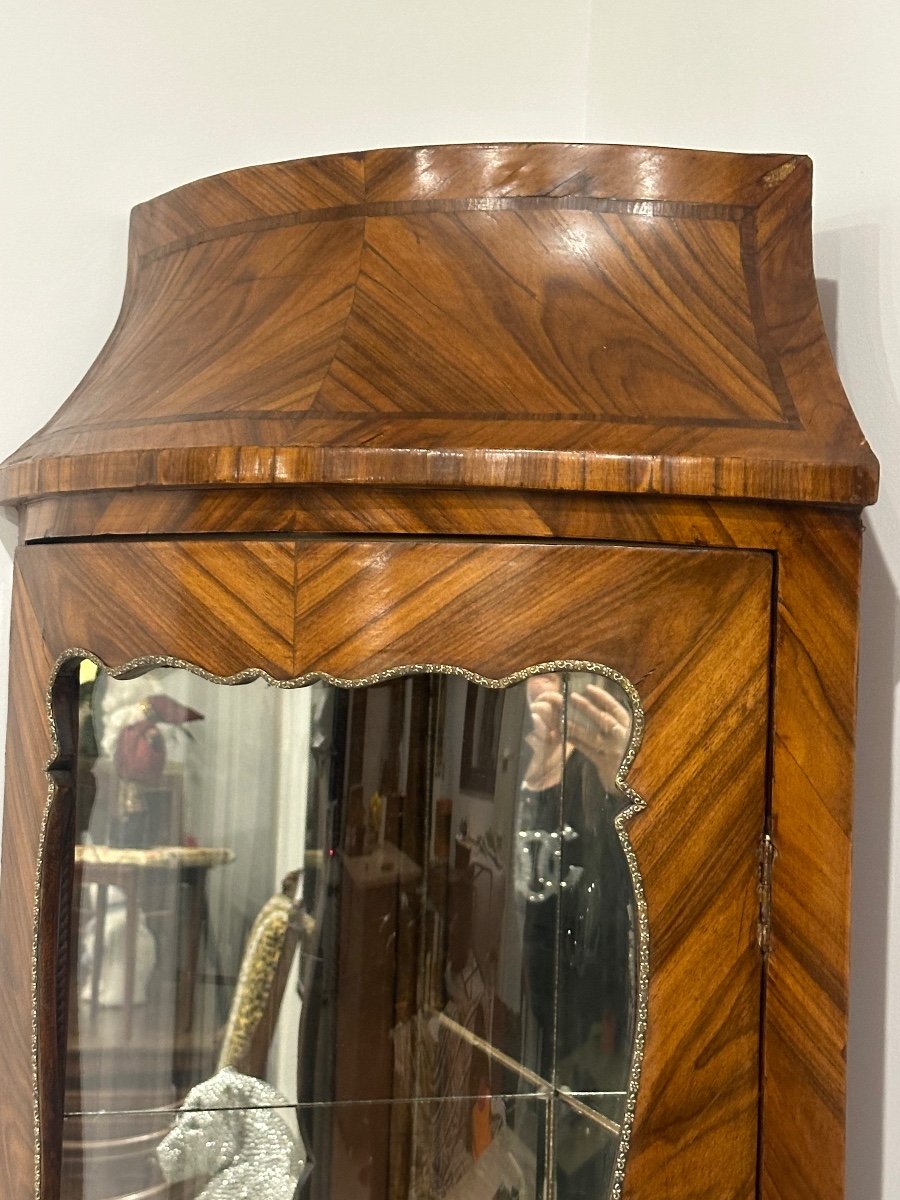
[391,931]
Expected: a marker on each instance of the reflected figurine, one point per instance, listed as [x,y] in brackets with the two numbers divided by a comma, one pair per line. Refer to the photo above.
[229,1128]
[112,989]
[140,759]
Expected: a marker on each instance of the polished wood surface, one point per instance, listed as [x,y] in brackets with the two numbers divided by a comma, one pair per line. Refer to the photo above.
[689,627]
[399,355]
[811,786]
[805,1018]
[580,318]
[239,597]
[412,512]
[25,799]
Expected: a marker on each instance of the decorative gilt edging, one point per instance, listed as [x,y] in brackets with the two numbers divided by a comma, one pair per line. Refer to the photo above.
[635,805]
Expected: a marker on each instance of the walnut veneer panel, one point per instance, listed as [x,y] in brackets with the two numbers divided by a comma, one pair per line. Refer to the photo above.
[29,751]
[500,171]
[691,630]
[689,627]
[219,605]
[812,808]
[446,316]
[811,788]
[418,593]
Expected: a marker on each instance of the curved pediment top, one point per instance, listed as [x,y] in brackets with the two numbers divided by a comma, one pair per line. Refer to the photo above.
[569,317]
[254,196]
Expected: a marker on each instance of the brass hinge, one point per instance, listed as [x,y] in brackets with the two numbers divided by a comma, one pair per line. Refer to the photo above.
[764,891]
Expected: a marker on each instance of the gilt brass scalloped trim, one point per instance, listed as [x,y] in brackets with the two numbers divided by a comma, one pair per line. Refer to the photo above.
[635,805]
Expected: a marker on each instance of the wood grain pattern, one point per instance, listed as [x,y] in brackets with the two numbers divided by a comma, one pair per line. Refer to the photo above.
[430,347]
[498,171]
[436,512]
[446,316]
[696,627]
[803,1100]
[232,604]
[26,792]
[237,600]
[702,770]
[812,804]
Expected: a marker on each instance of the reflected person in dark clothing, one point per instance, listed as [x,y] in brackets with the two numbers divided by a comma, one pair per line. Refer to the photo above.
[580,907]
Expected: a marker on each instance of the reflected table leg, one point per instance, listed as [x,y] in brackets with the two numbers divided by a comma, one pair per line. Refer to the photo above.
[129,883]
[99,938]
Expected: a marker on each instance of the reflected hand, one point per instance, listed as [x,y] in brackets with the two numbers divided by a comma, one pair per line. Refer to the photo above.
[597,726]
[545,705]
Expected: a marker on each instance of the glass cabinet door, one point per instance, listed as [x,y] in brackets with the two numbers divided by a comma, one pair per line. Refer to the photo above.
[458,903]
[399,914]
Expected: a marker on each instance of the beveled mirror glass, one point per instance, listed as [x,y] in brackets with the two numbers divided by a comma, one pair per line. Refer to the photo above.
[353,943]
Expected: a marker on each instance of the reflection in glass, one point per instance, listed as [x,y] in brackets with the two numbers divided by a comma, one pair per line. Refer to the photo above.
[400,916]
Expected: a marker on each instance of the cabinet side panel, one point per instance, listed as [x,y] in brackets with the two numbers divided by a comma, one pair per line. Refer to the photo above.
[29,750]
[804,1081]
[704,779]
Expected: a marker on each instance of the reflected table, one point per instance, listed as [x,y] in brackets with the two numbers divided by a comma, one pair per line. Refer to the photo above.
[132,869]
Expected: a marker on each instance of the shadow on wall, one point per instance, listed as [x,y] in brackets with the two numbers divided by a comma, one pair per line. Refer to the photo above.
[8,539]
[827,289]
[879,672]
[859,258]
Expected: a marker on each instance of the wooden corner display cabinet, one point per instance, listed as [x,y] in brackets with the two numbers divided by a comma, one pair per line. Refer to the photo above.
[432,695]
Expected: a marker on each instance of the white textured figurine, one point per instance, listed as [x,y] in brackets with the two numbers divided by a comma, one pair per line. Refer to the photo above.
[114,952]
[228,1128]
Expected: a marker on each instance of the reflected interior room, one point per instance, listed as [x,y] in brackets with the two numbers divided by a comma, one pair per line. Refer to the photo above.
[385,936]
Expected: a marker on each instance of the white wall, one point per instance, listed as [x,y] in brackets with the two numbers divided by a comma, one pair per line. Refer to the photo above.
[107,104]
